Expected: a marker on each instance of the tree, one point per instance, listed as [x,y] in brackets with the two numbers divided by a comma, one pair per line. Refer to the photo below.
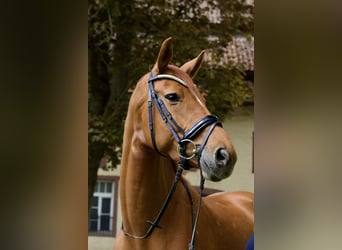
[123,41]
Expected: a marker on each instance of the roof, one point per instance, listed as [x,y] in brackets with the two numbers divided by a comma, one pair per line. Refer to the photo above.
[241,51]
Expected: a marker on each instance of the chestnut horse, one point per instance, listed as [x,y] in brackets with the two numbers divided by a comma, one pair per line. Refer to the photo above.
[168,128]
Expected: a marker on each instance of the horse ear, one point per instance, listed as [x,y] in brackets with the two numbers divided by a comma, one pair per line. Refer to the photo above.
[164,56]
[193,66]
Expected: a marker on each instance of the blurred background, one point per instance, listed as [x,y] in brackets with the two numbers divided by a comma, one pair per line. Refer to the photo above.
[44,123]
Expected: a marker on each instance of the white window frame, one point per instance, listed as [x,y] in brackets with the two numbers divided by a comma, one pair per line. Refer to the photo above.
[113,195]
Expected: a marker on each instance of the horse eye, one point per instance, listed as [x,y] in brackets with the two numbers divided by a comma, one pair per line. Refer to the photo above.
[173,97]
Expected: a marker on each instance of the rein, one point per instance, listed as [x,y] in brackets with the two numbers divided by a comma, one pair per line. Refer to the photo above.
[187,138]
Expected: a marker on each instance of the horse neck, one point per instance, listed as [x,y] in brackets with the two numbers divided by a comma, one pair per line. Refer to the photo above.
[145,181]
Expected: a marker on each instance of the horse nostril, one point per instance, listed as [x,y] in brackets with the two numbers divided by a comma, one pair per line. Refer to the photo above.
[221,156]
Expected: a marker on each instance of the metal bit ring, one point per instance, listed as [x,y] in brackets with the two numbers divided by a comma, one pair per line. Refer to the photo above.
[184,142]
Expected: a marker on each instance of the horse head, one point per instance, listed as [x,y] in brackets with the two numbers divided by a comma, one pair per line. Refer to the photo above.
[174,120]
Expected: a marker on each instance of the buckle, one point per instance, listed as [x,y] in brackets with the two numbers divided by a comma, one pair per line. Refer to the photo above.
[182,148]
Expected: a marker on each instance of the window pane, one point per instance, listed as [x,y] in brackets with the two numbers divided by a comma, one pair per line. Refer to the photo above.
[93,226]
[105,223]
[93,214]
[97,187]
[95,201]
[102,187]
[109,187]
[106,205]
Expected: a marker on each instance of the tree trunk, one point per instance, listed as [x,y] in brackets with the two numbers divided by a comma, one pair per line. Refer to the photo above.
[95,151]
[99,93]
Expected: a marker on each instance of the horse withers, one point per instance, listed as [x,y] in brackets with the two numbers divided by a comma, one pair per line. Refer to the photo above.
[169,128]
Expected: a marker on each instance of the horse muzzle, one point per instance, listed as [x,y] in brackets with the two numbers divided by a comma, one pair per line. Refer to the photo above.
[217,164]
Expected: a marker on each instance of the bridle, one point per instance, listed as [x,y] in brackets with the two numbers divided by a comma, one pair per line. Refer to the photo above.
[174,128]
[187,138]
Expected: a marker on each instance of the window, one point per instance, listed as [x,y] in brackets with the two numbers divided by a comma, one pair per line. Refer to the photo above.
[102,217]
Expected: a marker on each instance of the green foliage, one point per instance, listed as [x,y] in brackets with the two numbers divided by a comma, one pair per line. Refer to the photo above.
[100,132]
[124,39]
[225,90]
